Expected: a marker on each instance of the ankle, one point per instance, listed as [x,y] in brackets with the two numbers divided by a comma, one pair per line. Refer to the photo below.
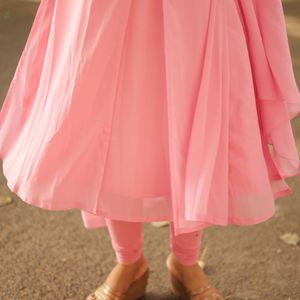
[179,269]
[135,268]
[177,262]
[142,266]
[131,264]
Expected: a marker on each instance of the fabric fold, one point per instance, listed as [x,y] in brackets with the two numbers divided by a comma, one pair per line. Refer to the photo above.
[153,110]
[277,94]
[20,95]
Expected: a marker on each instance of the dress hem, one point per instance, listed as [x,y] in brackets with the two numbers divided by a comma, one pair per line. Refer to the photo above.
[207,220]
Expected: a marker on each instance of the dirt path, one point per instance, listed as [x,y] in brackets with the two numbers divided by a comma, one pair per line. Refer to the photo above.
[50,255]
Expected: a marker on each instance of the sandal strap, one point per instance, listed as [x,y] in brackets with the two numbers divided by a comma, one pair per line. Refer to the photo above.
[199,290]
[106,290]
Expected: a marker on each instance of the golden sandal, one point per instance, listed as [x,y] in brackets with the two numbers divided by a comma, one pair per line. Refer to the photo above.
[135,291]
[208,291]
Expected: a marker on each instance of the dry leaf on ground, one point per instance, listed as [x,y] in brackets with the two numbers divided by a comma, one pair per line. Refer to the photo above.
[290,238]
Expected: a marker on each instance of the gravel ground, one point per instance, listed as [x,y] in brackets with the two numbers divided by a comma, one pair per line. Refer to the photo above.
[50,255]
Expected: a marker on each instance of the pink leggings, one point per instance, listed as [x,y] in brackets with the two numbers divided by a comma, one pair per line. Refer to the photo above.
[126,238]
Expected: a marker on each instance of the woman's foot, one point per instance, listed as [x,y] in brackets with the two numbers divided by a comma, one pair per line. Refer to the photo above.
[191,276]
[122,275]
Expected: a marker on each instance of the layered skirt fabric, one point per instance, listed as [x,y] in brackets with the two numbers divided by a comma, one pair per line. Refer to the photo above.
[144,110]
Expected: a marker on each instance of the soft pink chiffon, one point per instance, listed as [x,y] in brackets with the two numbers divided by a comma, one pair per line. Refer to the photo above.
[153,110]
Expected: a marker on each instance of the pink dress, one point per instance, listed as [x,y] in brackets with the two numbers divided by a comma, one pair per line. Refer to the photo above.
[153,110]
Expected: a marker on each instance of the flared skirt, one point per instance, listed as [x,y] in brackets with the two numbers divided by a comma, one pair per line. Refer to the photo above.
[153,110]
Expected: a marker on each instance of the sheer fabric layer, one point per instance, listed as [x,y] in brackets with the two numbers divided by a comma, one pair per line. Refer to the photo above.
[153,110]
